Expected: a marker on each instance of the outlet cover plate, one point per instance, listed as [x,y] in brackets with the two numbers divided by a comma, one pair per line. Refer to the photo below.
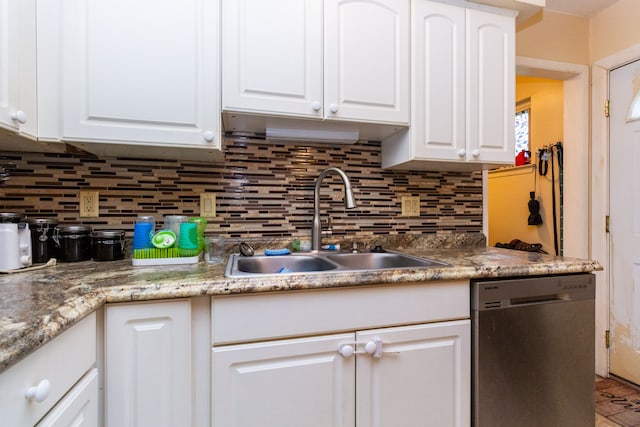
[89,204]
[208,205]
[410,206]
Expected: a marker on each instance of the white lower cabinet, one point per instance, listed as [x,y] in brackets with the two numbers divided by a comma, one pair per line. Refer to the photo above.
[352,357]
[57,385]
[154,365]
[299,382]
[420,377]
[79,408]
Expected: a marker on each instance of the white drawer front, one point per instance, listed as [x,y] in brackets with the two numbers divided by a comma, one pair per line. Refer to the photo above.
[254,317]
[61,362]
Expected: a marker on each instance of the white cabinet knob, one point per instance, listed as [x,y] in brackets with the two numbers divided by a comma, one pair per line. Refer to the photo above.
[475,153]
[208,136]
[374,348]
[333,108]
[316,106]
[346,350]
[19,116]
[40,392]
[462,152]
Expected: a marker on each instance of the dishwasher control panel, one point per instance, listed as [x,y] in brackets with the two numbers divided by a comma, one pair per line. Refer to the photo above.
[513,292]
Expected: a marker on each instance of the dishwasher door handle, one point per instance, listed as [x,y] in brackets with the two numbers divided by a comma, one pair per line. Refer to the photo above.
[540,299]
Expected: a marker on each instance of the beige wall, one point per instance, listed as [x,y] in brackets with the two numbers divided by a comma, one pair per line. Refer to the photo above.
[556,37]
[614,29]
[509,189]
[578,40]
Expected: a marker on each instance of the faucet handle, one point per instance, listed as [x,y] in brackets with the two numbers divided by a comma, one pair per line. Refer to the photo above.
[328,231]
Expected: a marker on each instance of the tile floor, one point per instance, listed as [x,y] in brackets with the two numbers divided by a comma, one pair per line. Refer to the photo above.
[617,405]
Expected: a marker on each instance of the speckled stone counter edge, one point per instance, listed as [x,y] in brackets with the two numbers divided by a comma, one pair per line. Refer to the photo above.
[84,287]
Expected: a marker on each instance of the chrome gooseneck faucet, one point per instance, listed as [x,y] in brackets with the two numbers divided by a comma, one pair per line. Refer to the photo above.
[349,203]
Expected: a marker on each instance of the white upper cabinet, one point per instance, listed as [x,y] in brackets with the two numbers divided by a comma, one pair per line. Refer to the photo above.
[491,87]
[18,66]
[463,90]
[439,80]
[126,76]
[336,60]
[366,57]
[272,56]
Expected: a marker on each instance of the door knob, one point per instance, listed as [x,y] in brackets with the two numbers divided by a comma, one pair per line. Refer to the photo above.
[19,116]
[346,350]
[39,392]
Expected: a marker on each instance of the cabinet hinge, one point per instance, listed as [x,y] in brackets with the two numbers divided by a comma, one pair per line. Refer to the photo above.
[607,224]
[607,339]
[607,109]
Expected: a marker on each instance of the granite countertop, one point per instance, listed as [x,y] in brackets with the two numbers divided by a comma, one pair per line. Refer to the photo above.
[35,306]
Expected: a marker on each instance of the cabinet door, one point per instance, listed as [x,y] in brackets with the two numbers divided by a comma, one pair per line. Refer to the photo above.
[148,359]
[422,377]
[272,56]
[137,71]
[79,408]
[491,87]
[367,60]
[438,108]
[298,382]
[18,66]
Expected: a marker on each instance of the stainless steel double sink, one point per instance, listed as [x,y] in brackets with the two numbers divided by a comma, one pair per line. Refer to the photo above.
[323,262]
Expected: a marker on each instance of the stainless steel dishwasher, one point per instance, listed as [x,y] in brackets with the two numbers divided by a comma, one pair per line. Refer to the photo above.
[533,351]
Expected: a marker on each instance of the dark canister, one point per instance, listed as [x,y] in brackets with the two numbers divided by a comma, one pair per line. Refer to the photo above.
[73,242]
[43,247]
[11,217]
[108,245]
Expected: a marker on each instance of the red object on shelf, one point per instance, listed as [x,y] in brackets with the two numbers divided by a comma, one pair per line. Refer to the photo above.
[523,158]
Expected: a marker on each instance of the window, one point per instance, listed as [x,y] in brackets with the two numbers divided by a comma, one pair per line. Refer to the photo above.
[523,113]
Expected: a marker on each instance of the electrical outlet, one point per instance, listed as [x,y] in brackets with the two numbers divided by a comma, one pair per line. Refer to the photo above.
[208,205]
[89,204]
[410,206]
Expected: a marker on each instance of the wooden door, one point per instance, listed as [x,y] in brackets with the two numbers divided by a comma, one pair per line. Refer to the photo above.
[624,193]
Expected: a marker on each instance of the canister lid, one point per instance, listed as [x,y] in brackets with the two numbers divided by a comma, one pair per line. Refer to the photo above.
[11,217]
[47,221]
[108,233]
[74,229]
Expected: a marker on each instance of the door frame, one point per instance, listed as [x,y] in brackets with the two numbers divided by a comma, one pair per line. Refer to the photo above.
[600,209]
[577,231]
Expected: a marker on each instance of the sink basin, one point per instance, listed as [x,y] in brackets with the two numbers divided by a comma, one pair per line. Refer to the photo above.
[322,263]
[283,264]
[380,260]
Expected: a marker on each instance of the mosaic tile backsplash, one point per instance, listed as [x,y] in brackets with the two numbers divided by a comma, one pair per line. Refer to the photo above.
[262,190]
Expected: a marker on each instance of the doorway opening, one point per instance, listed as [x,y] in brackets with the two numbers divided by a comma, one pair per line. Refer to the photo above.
[576,119]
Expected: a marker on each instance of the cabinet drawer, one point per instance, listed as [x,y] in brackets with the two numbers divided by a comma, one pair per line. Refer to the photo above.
[62,362]
[254,317]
